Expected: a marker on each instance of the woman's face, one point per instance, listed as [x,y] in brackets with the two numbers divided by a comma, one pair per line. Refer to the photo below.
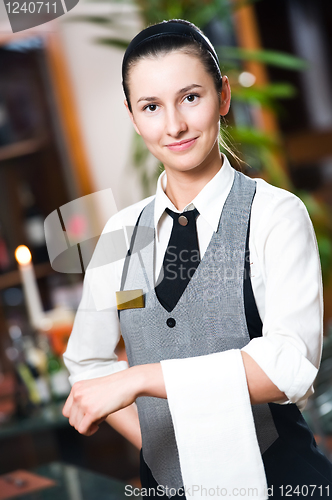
[176,109]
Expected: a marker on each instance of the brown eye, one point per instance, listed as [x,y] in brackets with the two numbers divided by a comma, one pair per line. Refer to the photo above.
[150,107]
[192,97]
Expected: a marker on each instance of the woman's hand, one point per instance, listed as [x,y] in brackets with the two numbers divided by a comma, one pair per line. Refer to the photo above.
[91,401]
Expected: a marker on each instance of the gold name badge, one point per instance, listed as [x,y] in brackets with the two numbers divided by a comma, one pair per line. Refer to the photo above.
[130,299]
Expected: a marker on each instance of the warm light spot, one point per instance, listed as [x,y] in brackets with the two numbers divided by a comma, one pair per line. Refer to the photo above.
[246,79]
[46,324]
[23,255]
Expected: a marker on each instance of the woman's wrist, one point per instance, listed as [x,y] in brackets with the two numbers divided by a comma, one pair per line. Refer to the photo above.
[148,380]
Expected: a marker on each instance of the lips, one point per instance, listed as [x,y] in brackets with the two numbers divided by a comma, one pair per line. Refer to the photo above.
[181,145]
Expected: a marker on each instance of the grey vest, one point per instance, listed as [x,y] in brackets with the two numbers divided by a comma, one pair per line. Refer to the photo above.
[209,316]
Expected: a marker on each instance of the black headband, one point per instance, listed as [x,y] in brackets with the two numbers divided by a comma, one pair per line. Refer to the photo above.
[169,28]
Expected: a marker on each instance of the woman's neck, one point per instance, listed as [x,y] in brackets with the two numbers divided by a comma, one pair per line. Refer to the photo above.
[183,187]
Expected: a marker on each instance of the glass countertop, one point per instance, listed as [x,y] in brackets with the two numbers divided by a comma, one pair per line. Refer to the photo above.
[74,483]
[41,418]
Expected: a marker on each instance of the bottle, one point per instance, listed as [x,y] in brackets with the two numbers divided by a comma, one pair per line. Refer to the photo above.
[56,370]
[58,373]
[30,364]
[36,361]
[27,396]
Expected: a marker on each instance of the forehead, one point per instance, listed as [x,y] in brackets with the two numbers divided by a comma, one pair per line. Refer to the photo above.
[167,73]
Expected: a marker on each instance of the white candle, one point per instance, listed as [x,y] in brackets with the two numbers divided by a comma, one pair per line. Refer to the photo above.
[30,288]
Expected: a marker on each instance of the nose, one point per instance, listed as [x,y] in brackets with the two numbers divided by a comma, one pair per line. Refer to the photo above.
[175,122]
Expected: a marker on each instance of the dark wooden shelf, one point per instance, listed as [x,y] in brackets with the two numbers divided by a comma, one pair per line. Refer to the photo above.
[309,146]
[22,148]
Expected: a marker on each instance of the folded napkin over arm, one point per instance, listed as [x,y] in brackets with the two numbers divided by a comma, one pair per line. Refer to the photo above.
[214,426]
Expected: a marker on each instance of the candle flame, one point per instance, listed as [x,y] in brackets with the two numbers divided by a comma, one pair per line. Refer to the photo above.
[23,255]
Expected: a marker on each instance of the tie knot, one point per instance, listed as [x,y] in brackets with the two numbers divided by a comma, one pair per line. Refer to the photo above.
[183,218]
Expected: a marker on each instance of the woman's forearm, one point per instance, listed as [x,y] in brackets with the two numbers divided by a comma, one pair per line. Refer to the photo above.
[92,401]
[260,387]
[150,380]
[126,422]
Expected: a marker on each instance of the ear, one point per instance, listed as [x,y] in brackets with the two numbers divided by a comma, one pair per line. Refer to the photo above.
[225,97]
[131,116]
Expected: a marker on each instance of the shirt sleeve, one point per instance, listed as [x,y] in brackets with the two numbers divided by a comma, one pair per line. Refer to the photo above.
[90,351]
[289,350]
[91,347]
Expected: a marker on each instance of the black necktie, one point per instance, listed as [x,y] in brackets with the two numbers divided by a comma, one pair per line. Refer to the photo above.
[181,258]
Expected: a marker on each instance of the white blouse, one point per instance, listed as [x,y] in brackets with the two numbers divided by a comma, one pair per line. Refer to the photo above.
[285,276]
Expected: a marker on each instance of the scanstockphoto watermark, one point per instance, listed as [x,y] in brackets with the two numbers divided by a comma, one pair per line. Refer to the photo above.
[225,273]
[224,264]
[195,490]
[222,253]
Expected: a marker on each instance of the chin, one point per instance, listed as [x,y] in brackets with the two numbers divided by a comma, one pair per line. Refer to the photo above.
[185,163]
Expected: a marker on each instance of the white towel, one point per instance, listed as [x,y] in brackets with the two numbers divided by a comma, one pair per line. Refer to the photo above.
[214,427]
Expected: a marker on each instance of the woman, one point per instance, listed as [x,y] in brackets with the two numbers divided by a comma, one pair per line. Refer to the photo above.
[223,348]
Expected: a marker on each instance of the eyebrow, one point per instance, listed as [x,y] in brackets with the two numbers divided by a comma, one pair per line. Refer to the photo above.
[181,91]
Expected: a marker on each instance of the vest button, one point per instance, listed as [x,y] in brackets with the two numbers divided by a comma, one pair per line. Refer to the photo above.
[171,322]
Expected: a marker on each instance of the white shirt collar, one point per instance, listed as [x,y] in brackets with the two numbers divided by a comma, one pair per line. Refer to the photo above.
[209,201]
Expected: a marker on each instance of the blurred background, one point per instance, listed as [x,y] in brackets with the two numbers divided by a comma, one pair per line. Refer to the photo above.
[65,135]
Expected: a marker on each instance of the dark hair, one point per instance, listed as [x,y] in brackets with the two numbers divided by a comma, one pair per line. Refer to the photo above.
[168,36]
[163,43]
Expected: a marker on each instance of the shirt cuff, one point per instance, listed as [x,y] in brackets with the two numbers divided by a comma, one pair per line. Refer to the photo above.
[100,371]
[284,364]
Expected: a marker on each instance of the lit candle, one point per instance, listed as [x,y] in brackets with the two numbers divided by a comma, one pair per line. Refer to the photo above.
[31,292]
